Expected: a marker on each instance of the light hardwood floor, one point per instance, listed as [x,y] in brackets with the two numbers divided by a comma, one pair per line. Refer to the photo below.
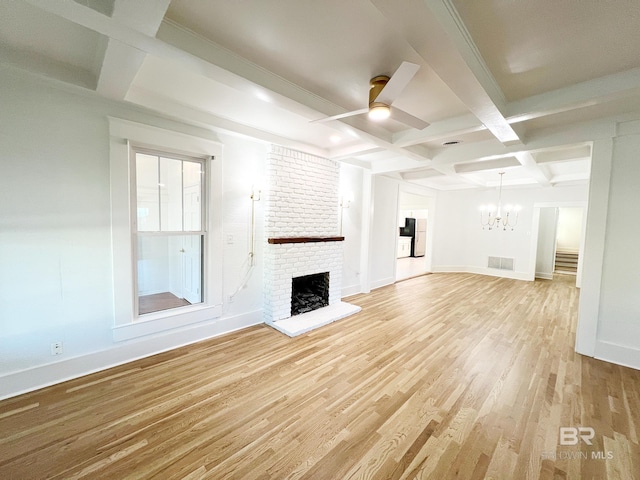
[160,301]
[441,376]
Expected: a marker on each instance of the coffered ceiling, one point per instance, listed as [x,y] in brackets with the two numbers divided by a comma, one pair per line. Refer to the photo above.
[514,86]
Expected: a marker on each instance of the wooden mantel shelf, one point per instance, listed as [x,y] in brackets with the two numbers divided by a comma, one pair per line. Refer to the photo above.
[304,239]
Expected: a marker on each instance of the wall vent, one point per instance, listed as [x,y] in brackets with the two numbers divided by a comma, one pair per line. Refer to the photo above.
[501,263]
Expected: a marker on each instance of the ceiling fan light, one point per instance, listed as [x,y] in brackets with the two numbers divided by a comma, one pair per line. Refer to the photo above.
[379,112]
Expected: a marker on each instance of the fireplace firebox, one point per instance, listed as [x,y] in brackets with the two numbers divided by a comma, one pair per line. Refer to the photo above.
[309,292]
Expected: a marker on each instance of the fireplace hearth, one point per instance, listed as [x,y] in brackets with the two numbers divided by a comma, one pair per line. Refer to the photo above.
[309,292]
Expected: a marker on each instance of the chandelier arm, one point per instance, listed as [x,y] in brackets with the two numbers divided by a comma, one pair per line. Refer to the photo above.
[498,220]
[500,196]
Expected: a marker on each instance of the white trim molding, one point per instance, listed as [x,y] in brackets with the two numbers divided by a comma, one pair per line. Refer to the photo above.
[122,134]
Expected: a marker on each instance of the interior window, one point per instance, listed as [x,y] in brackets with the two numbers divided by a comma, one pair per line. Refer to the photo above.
[169,236]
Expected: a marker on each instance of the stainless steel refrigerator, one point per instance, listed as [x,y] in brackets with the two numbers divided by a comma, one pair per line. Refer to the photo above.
[420,239]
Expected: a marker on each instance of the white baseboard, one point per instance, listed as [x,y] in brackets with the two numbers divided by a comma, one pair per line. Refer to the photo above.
[618,354]
[450,269]
[351,290]
[382,283]
[544,276]
[492,272]
[16,383]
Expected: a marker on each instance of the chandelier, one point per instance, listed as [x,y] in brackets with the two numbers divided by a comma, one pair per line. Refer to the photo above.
[497,216]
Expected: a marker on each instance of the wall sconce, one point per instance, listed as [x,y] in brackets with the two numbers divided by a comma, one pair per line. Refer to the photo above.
[345,201]
[256,195]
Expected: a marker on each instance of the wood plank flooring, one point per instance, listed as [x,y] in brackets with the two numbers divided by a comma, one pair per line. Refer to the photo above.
[440,376]
[160,301]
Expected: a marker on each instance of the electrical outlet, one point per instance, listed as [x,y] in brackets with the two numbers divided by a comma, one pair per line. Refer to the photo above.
[56,348]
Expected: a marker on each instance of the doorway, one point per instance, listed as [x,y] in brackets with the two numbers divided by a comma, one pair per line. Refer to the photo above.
[413,250]
[560,241]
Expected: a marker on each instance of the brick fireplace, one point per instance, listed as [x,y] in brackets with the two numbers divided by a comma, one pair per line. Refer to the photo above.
[301,227]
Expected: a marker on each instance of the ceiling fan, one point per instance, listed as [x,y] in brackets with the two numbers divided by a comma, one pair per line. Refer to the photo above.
[382,93]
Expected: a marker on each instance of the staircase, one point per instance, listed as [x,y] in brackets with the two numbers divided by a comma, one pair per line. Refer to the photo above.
[566,262]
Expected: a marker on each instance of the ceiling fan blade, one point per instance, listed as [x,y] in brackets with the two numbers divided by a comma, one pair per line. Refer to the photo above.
[397,82]
[342,115]
[408,119]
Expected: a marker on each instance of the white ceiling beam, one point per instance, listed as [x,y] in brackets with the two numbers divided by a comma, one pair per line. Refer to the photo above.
[44,66]
[120,65]
[581,152]
[419,150]
[571,178]
[425,175]
[356,162]
[589,93]
[533,169]
[439,130]
[121,61]
[466,178]
[393,165]
[496,164]
[211,121]
[428,183]
[420,174]
[341,153]
[435,31]
[575,134]
[143,16]
[373,142]
[474,179]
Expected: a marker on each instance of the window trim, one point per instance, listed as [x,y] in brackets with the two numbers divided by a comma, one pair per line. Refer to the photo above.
[124,134]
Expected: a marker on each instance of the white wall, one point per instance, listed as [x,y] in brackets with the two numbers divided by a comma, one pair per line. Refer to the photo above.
[546,250]
[569,228]
[55,248]
[351,181]
[384,231]
[461,244]
[243,167]
[413,206]
[618,321]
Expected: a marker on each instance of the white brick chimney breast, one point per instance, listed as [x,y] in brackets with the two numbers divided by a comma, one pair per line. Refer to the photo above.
[301,216]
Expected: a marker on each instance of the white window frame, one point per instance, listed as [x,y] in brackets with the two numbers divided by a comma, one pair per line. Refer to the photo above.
[133,151]
[124,134]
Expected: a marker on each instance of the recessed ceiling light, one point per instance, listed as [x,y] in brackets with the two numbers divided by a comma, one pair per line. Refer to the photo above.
[451,142]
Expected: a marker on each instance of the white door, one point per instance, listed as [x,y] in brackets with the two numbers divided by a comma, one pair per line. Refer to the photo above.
[192,244]
[192,268]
